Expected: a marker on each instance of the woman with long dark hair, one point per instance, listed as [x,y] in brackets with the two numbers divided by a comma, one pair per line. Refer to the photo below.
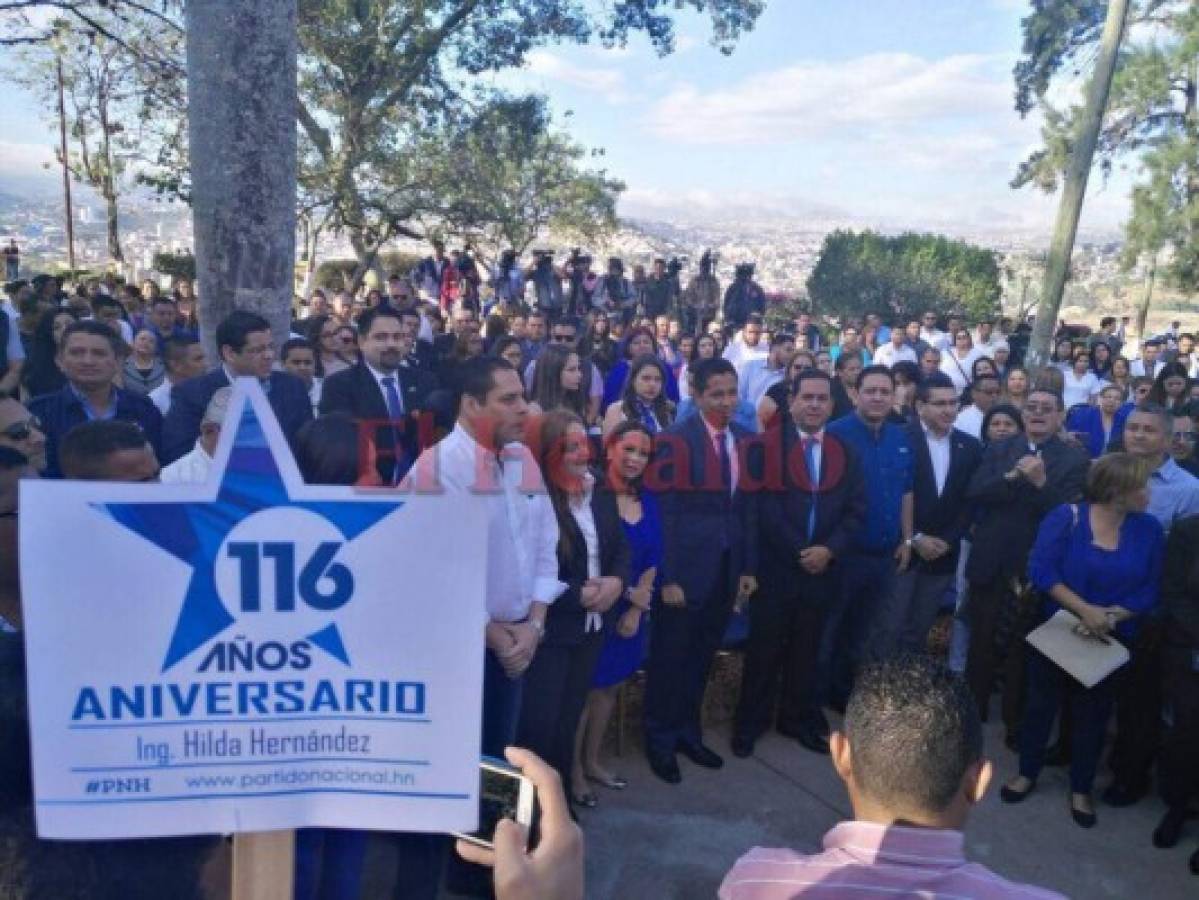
[638,342]
[324,334]
[558,382]
[597,343]
[1101,360]
[41,374]
[705,347]
[644,399]
[628,452]
[593,561]
[1172,388]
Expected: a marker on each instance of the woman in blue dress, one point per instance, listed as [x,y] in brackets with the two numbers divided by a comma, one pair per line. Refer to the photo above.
[629,450]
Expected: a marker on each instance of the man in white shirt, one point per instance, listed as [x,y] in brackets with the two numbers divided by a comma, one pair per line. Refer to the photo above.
[763,374]
[184,358]
[747,344]
[983,395]
[483,459]
[193,468]
[1150,363]
[930,333]
[984,337]
[894,350]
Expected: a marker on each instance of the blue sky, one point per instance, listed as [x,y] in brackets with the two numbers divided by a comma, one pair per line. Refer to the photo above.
[894,110]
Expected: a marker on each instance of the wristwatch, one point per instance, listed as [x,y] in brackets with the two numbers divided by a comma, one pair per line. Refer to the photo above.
[911,542]
[539,627]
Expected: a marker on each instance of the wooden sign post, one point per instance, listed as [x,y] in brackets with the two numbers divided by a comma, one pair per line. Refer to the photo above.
[264,865]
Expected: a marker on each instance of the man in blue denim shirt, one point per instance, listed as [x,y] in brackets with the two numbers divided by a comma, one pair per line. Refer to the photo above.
[883,544]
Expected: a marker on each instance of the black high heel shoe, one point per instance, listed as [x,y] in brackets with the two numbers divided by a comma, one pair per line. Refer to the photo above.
[1011,795]
[1082,818]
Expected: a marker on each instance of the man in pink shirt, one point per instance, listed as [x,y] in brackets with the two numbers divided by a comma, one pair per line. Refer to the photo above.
[911,757]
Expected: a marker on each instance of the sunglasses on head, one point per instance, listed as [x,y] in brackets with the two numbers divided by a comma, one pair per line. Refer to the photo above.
[19,431]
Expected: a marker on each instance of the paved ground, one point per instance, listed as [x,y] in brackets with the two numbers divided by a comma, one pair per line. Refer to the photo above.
[660,841]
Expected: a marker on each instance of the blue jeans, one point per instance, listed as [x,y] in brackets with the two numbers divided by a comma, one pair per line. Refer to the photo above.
[329,863]
[866,579]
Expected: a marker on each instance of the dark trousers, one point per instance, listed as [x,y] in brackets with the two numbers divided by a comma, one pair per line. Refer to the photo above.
[329,863]
[1139,711]
[786,623]
[556,687]
[1180,749]
[865,578]
[986,602]
[907,613]
[422,858]
[1047,688]
[683,642]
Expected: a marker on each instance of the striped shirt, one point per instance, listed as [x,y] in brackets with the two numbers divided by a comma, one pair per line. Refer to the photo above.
[862,859]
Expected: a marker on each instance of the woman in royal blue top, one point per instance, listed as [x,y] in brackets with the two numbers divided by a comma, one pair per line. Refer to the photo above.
[1102,561]
[628,452]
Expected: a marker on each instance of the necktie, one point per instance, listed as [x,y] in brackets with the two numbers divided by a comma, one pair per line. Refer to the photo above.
[809,452]
[395,409]
[726,464]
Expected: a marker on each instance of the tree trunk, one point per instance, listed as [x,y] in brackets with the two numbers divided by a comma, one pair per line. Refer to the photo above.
[241,85]
[1079,169]
[1143,305]
[114,230]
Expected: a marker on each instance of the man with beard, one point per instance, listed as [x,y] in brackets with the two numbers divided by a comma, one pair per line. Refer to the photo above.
[385,396]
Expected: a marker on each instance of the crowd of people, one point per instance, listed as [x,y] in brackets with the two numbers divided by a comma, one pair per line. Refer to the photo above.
[665,476]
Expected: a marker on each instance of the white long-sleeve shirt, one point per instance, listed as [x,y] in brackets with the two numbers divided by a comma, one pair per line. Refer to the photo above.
[522,531]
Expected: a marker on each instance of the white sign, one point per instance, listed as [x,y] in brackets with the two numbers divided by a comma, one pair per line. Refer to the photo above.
[251,654]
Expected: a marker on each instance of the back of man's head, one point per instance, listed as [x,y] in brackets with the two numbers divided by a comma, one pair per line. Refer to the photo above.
[914,735]
[107,450]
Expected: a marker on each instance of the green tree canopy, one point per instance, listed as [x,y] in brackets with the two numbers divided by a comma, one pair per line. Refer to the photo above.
[900,277]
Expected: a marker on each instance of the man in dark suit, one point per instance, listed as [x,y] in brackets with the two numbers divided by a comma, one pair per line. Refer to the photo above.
[944,459]
[706,561]
[1018,482]
[90,357]
[384,395]
[809,500]
[244,345]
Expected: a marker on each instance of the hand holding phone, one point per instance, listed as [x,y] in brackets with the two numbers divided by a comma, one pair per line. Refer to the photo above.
[554,869]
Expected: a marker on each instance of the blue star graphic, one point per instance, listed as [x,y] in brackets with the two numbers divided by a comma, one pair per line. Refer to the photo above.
[194,533]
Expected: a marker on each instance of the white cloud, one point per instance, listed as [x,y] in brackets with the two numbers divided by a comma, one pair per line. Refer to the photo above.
[816,99]
[553,69]
[24,159]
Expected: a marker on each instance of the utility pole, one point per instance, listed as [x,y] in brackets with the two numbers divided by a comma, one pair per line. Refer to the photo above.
[1079,169]
[66,172]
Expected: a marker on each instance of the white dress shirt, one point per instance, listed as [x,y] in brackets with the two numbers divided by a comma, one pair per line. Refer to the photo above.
[970,420]
[888,354]
[584,517]
[522,531]
[958,370]
[938,452]
[192,468]
[1076,390]
[161,396]
[756,379]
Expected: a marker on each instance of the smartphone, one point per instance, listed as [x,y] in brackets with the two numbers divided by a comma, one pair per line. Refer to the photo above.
[504,793]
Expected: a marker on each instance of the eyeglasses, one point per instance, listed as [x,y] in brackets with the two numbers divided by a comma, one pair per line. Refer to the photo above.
[20,431]
[1040,408]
